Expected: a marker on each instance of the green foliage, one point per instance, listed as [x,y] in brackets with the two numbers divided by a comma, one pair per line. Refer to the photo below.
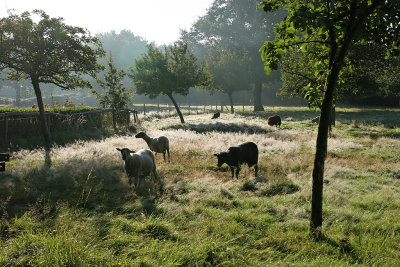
[173,71]
[115,94]
[229,72]
[318,36]
[236,27]
[48,51]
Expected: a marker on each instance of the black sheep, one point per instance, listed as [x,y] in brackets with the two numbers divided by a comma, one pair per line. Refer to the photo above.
[274,120]
[216,115]
[237,155]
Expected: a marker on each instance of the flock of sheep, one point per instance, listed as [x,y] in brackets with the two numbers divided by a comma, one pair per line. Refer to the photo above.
[142,163]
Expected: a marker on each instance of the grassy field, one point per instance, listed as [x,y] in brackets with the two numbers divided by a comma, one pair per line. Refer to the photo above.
[82,212]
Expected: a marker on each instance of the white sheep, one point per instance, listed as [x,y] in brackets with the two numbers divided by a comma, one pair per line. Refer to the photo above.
[158,144]
[139,164]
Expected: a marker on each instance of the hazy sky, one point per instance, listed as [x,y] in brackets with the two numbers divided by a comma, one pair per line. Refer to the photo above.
[155,20]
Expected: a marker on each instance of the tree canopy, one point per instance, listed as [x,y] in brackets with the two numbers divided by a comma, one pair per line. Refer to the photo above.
[227,71]
[330,28]
[236,26]
[172,71]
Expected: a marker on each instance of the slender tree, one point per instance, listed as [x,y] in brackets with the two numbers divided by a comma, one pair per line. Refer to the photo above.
[114,95]
[170,72]
[228,72]
[333,26]
[47,51]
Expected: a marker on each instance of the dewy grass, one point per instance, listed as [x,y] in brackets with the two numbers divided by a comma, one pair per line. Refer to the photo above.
[82,211]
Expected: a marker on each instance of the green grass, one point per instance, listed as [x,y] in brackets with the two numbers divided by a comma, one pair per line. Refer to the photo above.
[82,212]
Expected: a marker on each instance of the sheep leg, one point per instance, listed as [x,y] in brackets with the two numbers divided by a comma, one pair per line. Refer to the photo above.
[237,172]
[163,153]
[232,171]
[155,172]
[137,179]
[256,170]
[169,160]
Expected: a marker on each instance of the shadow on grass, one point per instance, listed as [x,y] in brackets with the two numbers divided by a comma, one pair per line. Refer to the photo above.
[369,116]
[62,138]
[295,115]
[220,127]
[92,185]
[345,248]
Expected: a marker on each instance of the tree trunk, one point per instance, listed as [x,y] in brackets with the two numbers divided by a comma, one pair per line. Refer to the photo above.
[333,115]
[18,96]
[320,155]
[257,95]
[43,121]
[231,102]
[177,108]
[114,119]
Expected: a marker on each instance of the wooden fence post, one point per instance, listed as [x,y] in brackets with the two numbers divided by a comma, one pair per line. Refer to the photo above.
[128,117]
[91,120]
[144,109]
[6,135]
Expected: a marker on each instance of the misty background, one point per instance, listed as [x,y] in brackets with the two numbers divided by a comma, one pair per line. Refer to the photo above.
[241,33]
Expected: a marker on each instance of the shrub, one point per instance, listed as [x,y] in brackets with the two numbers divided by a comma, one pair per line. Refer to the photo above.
[283,187]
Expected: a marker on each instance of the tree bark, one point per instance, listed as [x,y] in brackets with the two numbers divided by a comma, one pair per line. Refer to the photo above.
[257,95]
[231,102]
[320,156]
[18,96]
[114,119]
[177,108]
[43,121]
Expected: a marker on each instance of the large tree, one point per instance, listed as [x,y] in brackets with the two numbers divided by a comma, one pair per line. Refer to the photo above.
[172,71]
[42,49]
[236,26]
[125,46]
[228,71]
[333,26]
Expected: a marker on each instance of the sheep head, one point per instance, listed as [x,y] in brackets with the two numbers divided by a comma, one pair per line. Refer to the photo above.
[223,157]
[125,152]
[141,135]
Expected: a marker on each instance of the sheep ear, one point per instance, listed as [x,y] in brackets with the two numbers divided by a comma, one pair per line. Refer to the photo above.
[119,149]
[216,154]
[131,151]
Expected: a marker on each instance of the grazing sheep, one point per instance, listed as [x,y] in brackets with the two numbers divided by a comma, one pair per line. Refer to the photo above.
[139,164]
[274,120]
[237,155]
[216,115]
[315,120]
[158,144]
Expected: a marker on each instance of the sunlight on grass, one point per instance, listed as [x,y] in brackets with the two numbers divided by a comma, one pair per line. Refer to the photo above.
[82,212]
